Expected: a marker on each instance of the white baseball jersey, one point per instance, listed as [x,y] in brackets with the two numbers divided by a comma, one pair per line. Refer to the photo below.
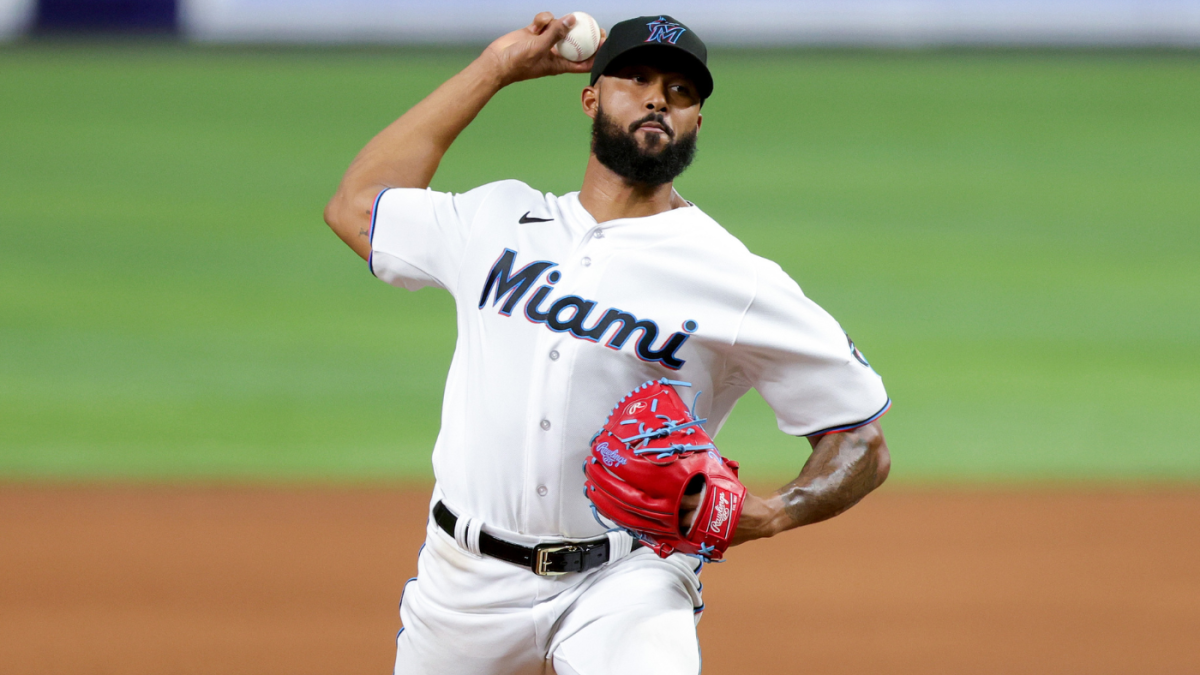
[560,316]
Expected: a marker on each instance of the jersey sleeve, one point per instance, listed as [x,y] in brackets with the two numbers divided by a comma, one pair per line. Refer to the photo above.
[418,237]
[802,363]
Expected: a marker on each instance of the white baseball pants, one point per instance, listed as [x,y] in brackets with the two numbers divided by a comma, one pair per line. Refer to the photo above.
[470,615]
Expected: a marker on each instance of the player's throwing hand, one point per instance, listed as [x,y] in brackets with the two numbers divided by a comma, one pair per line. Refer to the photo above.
[530,52]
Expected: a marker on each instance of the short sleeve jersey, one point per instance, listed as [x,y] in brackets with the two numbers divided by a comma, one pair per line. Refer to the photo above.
[560,316]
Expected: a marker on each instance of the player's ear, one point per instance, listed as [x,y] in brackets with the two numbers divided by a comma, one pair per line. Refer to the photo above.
[699,121]
[591,100]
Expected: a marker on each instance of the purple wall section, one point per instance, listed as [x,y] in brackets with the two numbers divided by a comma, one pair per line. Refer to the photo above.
[104,16]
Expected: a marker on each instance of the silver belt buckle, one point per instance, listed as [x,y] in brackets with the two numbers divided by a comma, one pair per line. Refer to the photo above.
[541,559]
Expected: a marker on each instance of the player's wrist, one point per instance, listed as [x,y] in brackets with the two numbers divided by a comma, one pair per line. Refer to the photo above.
[490,70]
[759,520]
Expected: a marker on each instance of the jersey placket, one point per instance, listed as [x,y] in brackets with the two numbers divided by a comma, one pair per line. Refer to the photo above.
[547,477]
[549,373]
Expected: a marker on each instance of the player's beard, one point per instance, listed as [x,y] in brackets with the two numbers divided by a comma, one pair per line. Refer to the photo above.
[619,150]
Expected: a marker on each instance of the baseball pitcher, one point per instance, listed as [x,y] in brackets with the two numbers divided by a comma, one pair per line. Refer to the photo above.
[603,339]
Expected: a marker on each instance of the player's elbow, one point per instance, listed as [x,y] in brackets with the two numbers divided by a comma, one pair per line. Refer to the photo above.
[877,451]
[883,464]
[349,212]
[333,213]
[351,226]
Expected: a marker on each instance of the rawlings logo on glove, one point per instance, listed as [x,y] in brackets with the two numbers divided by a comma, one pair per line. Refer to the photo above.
[650,454]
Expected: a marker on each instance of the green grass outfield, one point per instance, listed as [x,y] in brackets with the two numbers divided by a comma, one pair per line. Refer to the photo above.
[1013,238]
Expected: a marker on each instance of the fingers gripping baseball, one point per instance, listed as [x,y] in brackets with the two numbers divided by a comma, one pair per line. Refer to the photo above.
[529,53]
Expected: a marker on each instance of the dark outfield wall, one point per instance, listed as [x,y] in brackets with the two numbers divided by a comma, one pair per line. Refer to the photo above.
[101,16]
[748,22]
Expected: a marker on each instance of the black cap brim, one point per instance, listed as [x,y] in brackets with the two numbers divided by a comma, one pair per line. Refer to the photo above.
[665,57]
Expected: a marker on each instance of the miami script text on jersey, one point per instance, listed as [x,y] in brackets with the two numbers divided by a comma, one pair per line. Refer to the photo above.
[571,313]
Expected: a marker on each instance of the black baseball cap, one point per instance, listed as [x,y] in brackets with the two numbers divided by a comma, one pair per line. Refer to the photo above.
[655,40]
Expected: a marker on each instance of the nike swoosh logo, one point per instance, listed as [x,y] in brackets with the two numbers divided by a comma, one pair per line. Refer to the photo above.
[526,219]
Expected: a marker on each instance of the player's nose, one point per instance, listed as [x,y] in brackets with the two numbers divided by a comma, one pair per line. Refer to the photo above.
[656,99]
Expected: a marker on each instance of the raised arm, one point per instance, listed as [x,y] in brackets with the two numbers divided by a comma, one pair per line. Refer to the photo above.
[842,469]
[408,151]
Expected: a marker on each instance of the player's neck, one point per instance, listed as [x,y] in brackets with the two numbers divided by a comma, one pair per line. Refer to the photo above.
[608,196]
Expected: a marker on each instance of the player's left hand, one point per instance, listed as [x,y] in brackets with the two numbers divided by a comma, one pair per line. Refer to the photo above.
[687,511]
[530,52]
[652,463]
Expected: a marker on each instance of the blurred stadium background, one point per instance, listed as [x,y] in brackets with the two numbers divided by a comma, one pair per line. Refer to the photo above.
[1012,235]
[999,200]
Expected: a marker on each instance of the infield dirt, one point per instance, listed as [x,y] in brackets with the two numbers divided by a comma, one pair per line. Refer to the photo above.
[256,580]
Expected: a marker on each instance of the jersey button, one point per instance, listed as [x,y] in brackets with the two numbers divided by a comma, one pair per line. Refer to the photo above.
[546,425]
[586,262]
[553,354]
[598,234]
[543,490]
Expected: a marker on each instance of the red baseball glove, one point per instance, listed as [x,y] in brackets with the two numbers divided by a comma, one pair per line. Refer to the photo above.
[652,452]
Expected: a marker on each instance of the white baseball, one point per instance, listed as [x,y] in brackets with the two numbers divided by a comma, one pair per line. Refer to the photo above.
[583,40]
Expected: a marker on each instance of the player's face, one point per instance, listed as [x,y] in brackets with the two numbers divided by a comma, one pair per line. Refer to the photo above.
[655,106]
[644,123]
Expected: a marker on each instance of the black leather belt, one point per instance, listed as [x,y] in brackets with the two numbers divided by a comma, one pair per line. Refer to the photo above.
[547,560]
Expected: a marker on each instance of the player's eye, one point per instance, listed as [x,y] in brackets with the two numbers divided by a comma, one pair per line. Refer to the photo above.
[683,90]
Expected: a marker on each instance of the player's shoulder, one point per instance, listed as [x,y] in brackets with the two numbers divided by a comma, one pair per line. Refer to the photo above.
[510,189]
[510,186]
[714,235]
[501,199]
[703,231]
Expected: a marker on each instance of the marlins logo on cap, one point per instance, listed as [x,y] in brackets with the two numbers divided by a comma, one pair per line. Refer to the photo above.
[662,30]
